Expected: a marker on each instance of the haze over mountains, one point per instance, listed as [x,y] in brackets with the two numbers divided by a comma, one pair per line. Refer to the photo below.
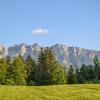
[65,55]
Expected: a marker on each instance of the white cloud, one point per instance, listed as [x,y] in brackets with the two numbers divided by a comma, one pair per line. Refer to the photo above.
[40,31]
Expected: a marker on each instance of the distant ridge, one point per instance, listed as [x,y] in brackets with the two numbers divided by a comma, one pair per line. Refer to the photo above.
[66,55]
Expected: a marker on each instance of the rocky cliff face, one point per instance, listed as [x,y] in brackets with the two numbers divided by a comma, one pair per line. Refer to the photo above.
[3,51]
[65,55]
[74,56]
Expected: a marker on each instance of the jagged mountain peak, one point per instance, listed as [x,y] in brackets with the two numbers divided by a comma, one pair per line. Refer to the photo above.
[36,44]
[3,51]
[64,54]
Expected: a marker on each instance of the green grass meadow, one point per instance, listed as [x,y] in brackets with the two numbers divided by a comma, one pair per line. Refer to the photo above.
[56,92]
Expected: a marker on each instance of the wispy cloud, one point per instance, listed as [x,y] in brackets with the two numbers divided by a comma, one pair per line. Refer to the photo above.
[40,31]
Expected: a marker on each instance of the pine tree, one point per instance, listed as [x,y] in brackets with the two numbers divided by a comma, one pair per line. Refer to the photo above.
[81,79]
[3,70]
[91,73]
[44,63]
[57,74]
[39,68]
[8,60]
[30,66]
[22,58]
[97,68]
[96,60]
[18,71]
[9,79]
[48,70]
[72,77]
[84,72]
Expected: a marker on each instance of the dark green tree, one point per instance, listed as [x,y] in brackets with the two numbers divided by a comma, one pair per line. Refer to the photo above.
[97,68]
[30,66]
[80,79]
[48,70]
[91,73]
[9,80]
[39,68]
[72,77]
[84,72]
[96,60]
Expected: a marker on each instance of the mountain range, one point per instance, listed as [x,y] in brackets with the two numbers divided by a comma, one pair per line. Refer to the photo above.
[66,55]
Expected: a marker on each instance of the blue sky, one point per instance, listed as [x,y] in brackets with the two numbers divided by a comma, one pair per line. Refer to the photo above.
[49,22]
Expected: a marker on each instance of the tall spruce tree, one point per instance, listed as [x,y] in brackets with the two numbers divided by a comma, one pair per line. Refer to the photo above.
[48,70]
[84,72]
[97,68]
[30,66]
[71,77]
[39,69]
[91,73]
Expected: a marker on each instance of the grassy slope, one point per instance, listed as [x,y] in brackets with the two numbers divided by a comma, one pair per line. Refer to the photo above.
[60,92]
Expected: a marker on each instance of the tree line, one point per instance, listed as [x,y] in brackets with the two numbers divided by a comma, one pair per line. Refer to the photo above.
[45,71]
[85,74]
